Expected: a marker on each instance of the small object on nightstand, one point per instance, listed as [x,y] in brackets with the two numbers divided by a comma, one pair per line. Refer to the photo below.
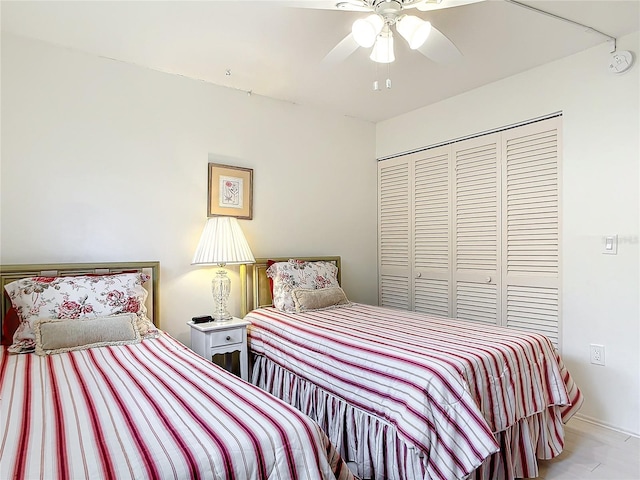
[202,319]
[209,339]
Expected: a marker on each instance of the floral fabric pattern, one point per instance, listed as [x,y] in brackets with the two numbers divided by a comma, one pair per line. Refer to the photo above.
[76,297]
[299,274]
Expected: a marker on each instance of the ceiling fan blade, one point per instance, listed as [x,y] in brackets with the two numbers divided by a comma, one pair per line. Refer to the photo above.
[428,6]
[347,5]
[353,6]
[439,48]
[342,50]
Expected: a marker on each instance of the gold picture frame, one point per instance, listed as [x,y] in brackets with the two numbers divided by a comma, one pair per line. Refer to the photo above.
[230,191]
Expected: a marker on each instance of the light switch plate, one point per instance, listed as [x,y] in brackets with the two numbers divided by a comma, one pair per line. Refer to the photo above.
[611,245]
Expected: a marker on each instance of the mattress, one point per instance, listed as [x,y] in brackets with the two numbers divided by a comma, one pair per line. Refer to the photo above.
[442,389]
[150,410]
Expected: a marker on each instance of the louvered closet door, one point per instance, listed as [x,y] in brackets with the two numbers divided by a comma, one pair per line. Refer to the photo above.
[476,229]
[531,215]
[431,231]
[394,247]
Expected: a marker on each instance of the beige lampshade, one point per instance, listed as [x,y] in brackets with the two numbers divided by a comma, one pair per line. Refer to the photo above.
[222,243]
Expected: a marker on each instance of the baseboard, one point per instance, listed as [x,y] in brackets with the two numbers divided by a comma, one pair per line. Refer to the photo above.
[599,423]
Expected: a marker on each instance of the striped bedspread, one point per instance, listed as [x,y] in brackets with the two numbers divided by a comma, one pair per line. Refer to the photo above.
[446,386]
[152,410]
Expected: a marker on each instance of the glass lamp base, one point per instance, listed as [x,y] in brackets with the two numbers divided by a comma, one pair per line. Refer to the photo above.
[221,288]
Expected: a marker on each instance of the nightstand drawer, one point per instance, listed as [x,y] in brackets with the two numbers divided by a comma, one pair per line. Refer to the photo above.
[225,337]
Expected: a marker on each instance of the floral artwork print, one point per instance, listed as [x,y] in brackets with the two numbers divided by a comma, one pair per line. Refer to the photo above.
[231,192]
[299,274]
[76,297]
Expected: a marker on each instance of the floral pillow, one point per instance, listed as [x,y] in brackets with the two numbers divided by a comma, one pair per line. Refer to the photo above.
[76,297]
[299,274]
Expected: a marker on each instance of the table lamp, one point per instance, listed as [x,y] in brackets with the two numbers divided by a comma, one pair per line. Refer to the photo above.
[222,243]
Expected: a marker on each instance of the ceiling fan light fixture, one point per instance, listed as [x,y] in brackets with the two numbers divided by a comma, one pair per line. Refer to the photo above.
[365,30]
[414,30]
[383,48]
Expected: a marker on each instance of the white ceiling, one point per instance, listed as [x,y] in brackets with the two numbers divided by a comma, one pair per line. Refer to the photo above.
[276,50]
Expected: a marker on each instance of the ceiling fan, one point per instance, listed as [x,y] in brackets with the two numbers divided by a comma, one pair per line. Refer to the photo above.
[376,30]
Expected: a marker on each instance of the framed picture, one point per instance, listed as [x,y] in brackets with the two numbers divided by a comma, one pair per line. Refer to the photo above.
[230,191]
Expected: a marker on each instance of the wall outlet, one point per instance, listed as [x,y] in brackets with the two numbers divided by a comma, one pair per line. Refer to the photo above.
[597,354]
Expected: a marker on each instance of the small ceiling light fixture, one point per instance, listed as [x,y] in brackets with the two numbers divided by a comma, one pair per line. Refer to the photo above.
[383,48]
[375,30]
[366,30]
[414,30]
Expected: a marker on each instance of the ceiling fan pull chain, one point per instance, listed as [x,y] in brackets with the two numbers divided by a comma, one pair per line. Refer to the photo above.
[388,82]
[376,75]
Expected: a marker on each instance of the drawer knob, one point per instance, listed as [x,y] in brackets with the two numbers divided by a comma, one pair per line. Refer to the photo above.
[228,337]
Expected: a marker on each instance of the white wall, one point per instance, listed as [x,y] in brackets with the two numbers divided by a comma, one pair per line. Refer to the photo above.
[600,183]
[104,161]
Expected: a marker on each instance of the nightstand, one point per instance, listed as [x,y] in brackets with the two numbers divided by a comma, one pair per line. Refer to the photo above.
[211,338]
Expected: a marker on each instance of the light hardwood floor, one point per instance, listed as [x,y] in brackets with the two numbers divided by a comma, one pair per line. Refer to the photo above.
[592,452]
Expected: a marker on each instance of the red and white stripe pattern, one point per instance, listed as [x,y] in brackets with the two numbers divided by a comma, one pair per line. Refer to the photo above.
[447,386]
[153,410]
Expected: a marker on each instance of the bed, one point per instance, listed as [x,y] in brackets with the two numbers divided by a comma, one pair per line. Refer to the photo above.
[136,407]
[404,395]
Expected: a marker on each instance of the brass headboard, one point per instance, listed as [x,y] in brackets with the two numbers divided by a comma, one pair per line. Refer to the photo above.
[256,291]
[9,273]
